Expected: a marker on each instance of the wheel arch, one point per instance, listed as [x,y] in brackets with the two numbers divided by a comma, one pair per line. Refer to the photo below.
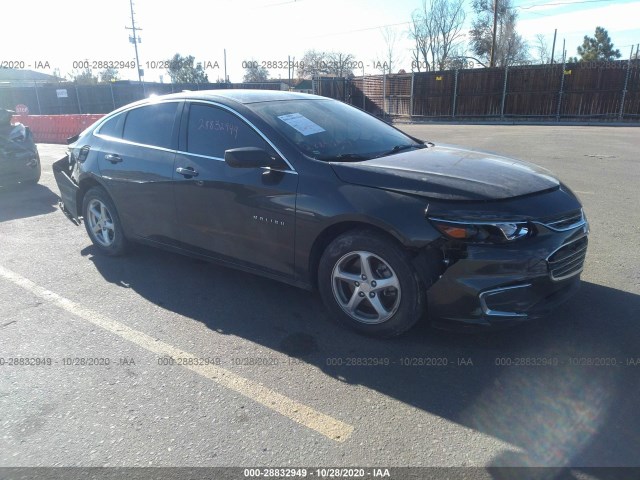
[83,187]
[330,233]
[426,258]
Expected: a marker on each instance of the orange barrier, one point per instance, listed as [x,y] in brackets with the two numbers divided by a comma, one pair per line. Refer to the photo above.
[56,128]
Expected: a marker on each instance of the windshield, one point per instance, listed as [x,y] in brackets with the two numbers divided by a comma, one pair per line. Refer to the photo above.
[333,131]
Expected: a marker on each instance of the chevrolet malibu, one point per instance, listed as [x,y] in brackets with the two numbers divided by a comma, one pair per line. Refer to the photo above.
[318,194]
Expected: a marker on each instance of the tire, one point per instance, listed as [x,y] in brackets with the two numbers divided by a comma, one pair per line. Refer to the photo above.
[103,223]
[367,283]
[36,177]
[38,174]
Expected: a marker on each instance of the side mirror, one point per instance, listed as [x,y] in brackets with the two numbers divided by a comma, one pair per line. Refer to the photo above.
[73,139]
[250,157]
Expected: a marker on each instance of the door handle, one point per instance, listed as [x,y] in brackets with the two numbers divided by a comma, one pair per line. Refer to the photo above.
[187,171]
[113,158]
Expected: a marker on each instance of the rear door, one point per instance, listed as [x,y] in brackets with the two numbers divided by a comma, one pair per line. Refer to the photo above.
[243,215]
[136,158]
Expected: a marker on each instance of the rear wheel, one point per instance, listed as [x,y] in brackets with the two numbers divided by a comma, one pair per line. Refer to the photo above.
[102,222]
[367,283]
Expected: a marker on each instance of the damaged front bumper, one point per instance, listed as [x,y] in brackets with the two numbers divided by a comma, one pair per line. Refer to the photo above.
[493,287]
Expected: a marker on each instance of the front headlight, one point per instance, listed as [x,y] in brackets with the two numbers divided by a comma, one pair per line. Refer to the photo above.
[483,232]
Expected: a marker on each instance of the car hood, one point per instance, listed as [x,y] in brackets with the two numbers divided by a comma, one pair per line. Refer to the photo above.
[448,173]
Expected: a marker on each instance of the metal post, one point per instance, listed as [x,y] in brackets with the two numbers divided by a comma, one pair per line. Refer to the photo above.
[113,98]
[78,99]
[35,86]
[411,104]
[626,82]
[553,49]
[564,65]
[455,94]
[384,94]
[493,41]
[135,44]
[504,90]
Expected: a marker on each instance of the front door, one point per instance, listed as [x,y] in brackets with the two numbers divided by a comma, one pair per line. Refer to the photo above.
[242,215]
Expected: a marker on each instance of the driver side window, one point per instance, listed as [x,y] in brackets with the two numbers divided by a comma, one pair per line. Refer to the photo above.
[212,130]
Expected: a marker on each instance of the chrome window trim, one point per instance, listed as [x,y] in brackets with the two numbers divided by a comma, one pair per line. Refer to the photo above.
[96,132]
[135,144]
[106,118]
[497,313]
[218,159]
[244,119]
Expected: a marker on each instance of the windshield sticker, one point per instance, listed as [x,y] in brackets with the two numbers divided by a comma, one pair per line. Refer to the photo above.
[301,123]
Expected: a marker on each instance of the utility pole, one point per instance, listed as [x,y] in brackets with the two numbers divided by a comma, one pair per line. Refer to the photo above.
[135,40]
[553,49]
[495,27]
[226,78]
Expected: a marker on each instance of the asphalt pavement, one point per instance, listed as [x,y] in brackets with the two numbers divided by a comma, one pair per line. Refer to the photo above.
[154,359]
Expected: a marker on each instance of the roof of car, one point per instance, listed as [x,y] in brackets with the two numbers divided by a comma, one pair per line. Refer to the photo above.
[244,95]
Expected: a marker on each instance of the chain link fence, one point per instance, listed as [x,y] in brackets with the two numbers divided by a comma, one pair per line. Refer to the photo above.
[591,90]
[69,98]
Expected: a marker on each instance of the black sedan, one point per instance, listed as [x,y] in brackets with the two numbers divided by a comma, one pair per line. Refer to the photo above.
[313,192]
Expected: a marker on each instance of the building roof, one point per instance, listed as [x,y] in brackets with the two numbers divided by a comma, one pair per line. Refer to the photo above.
[12,75]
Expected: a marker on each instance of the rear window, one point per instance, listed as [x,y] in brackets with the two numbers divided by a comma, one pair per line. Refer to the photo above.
[151,124]
[113,126]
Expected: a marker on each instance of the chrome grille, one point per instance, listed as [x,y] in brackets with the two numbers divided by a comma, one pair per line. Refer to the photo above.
[565,222]
[568,260]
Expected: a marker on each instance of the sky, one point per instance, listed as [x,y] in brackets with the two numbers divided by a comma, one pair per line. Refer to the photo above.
[45,35]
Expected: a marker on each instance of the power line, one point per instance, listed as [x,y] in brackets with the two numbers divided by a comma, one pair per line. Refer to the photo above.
[279,4]
[361,29]
[560,3]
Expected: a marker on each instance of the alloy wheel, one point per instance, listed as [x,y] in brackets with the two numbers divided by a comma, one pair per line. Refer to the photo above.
[366,287]
[101,223]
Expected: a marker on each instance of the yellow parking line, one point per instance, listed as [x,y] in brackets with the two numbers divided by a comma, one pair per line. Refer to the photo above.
[298,412]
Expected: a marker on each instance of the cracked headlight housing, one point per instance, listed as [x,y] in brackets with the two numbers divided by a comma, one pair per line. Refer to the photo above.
[483,232]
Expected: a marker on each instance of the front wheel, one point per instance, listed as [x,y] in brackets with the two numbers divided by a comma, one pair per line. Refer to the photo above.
[367,283]
[37,173]
[102,222]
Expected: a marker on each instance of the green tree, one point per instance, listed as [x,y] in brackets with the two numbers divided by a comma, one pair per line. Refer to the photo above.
[184,70]
[511,49]
[598,48]
[109,75]
[254,72]
[58,75]
[83,77]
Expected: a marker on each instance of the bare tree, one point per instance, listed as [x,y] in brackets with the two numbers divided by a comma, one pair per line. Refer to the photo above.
[315,63]
[437,32]
[389,58]
[542,49]
[415,33]
[341,64]
[511,49]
